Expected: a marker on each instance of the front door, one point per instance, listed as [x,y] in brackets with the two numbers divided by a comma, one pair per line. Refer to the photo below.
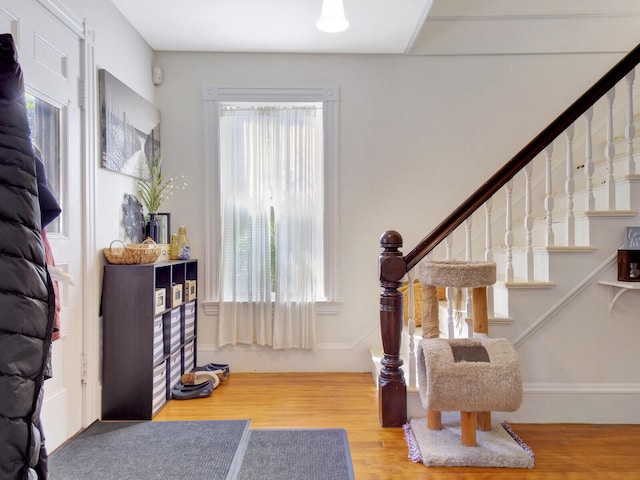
[49,53]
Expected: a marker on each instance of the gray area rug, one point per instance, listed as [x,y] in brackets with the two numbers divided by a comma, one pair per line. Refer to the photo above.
[211,450]
[321,454]
[150,450]
[500,447]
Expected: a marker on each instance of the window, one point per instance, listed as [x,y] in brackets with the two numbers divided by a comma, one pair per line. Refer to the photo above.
[44,122]
[271,201]
[246,219]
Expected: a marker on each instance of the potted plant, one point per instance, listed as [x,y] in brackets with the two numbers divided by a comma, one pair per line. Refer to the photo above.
[153,193]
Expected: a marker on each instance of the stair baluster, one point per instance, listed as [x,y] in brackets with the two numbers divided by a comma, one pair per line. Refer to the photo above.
[630,131]
[468,256]
[411,328]
[548,198]
[610,150]
[508,235]
[569,189]
[450,292]
[528,222]
[588,161]
[488,251]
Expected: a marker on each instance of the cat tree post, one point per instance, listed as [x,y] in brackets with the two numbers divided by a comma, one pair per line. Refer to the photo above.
[481,327]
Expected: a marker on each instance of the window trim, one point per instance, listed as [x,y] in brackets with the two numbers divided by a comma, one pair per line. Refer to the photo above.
[212,95]
[63,157]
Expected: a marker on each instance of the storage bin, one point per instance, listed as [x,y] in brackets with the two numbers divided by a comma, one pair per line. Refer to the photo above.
[158,339]
[175,369]
[174,339]
[188,360]
[159,397]
[189,320]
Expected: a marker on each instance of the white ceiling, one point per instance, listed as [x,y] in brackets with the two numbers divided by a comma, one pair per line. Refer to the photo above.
[416,27]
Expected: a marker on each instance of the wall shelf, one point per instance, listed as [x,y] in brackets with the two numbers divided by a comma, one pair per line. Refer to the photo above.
[617,289]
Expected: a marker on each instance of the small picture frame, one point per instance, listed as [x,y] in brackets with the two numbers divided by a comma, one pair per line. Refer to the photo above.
[164,228]
[632,240]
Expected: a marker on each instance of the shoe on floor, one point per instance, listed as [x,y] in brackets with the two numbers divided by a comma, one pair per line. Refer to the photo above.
[212,367]
[195,378]
[187,392]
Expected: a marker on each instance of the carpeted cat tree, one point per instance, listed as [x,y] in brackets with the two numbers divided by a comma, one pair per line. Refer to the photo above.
[470,375]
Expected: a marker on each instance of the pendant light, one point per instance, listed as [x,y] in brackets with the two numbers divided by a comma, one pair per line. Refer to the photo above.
[332,19]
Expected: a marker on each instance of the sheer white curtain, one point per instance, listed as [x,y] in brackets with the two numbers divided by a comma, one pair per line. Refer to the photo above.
[271,209]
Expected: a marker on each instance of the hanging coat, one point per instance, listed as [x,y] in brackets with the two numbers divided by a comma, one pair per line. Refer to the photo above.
[26,291]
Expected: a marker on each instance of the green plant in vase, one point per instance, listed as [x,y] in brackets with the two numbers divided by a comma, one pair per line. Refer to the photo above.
[155,191]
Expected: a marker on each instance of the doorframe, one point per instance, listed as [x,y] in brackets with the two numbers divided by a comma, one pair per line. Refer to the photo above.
[91,260]
[91,264]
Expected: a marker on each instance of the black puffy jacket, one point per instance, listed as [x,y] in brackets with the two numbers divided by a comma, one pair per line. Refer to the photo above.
[26,292]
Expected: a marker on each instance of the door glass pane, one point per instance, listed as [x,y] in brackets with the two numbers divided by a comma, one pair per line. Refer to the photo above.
[44,121]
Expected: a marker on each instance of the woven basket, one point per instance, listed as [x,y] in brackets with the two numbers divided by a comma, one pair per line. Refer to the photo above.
[132,254]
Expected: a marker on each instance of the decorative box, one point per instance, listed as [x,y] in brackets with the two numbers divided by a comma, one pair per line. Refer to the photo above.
[164,252]
[190,290]
[176,295]
[629,265]
[161,300]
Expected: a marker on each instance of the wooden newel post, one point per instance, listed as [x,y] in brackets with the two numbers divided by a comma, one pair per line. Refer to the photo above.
[392,390]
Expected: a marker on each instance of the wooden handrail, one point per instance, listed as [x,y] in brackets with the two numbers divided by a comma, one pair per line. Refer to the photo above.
[522,158]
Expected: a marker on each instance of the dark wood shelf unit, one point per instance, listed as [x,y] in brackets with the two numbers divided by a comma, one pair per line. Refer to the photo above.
[131,376]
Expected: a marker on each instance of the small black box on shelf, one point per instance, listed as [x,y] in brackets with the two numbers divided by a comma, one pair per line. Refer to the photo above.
[629,265]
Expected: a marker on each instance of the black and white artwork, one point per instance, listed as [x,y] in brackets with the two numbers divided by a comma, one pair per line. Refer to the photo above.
[130,128]
[133,218]
[632,241]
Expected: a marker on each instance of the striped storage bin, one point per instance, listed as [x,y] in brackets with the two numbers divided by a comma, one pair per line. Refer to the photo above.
[174,342]
[189,357]
[189,320]
[158,339]
[175,369]
[159,387]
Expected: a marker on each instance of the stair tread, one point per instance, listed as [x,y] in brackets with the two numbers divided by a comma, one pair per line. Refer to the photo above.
[525,284]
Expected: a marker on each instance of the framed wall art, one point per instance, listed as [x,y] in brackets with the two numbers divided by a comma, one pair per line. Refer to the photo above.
[632,241]
[129,128]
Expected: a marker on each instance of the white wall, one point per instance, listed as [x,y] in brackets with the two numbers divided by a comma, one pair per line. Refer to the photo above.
[122,51]
[417,135]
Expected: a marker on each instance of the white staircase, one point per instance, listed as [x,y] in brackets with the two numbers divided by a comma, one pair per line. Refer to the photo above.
[554,231]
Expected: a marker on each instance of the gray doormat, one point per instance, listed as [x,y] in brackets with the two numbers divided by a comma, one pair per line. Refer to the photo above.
[149,451]
[316,454]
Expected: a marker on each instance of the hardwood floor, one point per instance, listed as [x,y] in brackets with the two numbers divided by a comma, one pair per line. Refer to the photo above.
[349,401]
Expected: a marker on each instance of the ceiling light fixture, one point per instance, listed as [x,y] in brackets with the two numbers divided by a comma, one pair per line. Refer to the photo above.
[332,19]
